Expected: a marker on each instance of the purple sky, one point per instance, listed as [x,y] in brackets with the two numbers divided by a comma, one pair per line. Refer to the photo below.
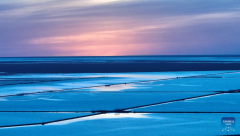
[119,27]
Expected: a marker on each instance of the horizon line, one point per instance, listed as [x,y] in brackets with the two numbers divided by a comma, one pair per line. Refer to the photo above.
[119,56]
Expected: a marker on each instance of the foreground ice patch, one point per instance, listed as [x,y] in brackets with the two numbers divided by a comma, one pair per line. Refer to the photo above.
[115,87]
[103,116]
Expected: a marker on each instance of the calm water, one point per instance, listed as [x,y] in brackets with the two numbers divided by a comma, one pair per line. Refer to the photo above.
[119,59]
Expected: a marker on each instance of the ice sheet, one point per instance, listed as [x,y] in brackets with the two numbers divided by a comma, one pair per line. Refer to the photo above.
[139,125]
[64,101]
[16,118]
[217,103]
[113,78]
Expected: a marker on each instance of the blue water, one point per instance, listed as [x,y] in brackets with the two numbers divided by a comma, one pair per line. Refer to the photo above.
[119,59]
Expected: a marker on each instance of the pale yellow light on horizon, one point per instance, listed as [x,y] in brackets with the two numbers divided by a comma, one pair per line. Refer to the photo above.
[102,1]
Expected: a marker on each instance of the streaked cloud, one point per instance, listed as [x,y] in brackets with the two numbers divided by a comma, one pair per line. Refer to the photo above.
[118,27]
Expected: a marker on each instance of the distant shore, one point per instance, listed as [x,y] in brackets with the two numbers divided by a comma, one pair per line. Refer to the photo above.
[115,67]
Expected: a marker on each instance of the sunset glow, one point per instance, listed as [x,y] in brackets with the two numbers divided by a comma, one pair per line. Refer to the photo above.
[118,27]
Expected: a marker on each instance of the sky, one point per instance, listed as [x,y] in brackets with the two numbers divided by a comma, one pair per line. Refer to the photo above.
[119,27]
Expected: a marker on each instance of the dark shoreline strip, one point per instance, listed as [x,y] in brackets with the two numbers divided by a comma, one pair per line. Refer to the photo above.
[114,67]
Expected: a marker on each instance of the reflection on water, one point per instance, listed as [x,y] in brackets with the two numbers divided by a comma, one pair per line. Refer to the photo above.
[103,116]
[115,87]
